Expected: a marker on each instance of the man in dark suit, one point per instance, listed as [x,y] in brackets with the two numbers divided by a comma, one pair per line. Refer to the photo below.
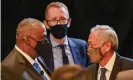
[57,21]
[18,64]
[103,43]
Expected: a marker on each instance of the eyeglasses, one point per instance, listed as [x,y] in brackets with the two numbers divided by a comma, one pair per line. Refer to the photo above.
[54,22]
[91,46]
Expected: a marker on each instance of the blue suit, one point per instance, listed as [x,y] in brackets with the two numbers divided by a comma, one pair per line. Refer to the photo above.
[78,49]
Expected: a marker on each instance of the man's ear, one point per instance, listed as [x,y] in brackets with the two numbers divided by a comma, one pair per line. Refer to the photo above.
[108,46]
[26,39]
[69,22]
[46,25]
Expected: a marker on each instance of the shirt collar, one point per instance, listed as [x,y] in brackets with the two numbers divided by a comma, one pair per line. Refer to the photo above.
[110,64]
[25,55]
[54,43]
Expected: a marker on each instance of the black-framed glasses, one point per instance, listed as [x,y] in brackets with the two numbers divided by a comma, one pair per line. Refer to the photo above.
[44,39]
[54,22]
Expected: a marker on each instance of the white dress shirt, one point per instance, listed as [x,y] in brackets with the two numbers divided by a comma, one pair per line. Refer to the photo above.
[32,61]
[108,66]
[25,55]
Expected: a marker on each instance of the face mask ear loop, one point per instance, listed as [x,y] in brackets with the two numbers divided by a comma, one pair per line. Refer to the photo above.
[31,38]
[27,43]
[102,56]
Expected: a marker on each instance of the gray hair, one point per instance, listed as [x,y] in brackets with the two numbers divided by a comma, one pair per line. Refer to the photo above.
[27,26]
[107,33]
[57,5]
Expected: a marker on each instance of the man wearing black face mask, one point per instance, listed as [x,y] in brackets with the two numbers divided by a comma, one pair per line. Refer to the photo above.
[65,50]
[102,46]
[42,47]
[20,63]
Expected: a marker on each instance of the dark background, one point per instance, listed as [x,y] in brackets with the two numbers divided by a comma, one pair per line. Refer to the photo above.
[84,13]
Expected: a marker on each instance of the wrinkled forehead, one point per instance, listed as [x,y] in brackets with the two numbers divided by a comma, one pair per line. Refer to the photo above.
[93,36]
[98,36]
[94,40]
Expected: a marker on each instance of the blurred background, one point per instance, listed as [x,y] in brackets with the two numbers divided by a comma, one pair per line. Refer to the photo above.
[84,13]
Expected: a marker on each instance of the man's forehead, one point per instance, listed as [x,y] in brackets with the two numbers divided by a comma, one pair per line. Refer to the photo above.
[62,11]
[94,36]
[57,8]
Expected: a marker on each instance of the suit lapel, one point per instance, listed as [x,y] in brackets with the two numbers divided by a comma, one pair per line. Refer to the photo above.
[75,51]
[92,72]
[49,60]
[96,71]
[96,67]
[41,61]
[116,67]
[26,68]
[30,69]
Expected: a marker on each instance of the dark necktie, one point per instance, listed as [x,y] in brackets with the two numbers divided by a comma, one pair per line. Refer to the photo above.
[103,76]
[38,69]
[65,58]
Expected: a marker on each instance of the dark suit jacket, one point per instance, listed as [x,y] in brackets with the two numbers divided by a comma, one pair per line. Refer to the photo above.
[79,52]
[16,67]
[121,64]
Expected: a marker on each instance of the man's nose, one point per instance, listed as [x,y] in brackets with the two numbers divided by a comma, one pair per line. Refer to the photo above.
[58,22]
[89,46]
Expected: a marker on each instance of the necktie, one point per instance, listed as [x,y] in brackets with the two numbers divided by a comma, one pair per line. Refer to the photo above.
[38,69]
[65,58]
[103,76]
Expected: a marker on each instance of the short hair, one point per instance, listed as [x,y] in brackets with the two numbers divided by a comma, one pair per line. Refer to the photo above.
[65,72]
[57,5]
[81,75]
[27,26]
[107,33]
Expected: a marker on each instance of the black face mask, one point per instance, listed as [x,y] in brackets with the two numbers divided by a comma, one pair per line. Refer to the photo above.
[59,31]
[42,47]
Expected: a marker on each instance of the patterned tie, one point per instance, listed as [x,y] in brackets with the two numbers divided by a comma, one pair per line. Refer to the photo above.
[38,69]
[65,58]
[103,76]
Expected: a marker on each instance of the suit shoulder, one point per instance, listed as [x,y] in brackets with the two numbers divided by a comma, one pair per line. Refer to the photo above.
[10,61]
[80,41]
[126,62]
[92,67]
